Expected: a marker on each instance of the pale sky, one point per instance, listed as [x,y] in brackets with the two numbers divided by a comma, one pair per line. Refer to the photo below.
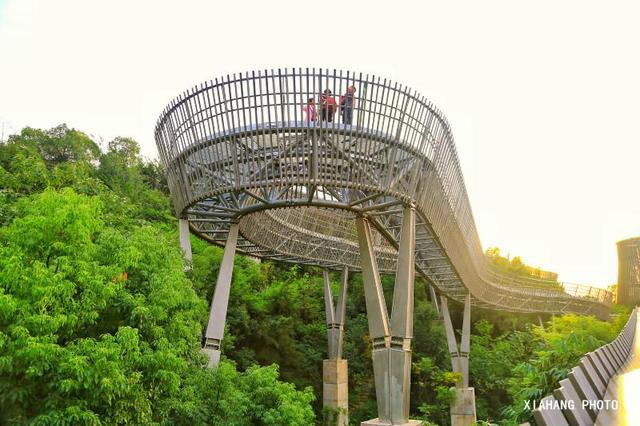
[542,96]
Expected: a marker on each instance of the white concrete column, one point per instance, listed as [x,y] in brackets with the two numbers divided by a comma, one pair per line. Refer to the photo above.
[463,408]
[220,301]
[335,316]
[434,300]
[450,333]
[465,342]
[391,339]
[378,318]
[335,387]
[402,321]
[185,242]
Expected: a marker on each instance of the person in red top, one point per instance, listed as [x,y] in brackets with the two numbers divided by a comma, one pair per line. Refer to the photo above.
[328,106]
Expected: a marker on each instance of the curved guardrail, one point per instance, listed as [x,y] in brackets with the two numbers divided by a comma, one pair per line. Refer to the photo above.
[247,148]
[580,399]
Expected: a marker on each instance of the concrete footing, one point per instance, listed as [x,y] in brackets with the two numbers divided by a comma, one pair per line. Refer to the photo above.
[377,422]
[335,392]
[214,357]
[463,409]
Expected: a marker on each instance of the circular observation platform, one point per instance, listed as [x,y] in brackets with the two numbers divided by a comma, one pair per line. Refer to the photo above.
[247,149]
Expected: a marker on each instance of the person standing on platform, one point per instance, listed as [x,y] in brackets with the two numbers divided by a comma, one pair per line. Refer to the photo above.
[347,103]
[328,106]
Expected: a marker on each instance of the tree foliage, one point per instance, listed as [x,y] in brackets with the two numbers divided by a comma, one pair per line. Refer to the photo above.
[516,266]
[98,322]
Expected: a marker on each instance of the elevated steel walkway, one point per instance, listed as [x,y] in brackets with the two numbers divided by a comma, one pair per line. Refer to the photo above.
[240,149]
[365,179]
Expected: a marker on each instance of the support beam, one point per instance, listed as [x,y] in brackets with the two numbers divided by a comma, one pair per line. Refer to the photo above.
[391,339]
[185,242]
[402,321]
[335,388]
[434,300]
[463,409]
[465,343]
[374,296]
[450,333]
[377,317]
[329,314]
[220,301]
[335,317]
[342,302]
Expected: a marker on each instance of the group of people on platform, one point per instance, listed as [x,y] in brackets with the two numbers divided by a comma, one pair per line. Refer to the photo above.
[328,107]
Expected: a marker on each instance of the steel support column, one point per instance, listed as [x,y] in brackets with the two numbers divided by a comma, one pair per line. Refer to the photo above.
[335,388]
[335,316]
[463,409]
[459,358]
[377,317]
[402,321]
[391,339]
[185,242]
[451,336]
[220,301]
[465,342]
[434,300]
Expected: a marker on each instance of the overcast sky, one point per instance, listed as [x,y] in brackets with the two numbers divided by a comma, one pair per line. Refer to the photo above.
[542,96]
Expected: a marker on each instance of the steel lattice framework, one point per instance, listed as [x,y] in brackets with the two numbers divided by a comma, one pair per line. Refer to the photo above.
[240,149]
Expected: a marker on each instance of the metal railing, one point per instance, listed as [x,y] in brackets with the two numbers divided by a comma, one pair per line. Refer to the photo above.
[578,400]
[551,286]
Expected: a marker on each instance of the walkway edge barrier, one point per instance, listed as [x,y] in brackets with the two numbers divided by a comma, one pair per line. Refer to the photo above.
[576,401]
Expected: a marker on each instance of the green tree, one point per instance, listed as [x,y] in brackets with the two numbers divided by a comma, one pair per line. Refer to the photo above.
[55,146]
[119,166]
[99,326]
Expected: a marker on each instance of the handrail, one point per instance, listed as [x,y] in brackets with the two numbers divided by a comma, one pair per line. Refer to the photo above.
[571,289]
[579,398]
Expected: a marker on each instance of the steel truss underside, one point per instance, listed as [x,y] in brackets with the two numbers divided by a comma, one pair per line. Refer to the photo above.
[296,210]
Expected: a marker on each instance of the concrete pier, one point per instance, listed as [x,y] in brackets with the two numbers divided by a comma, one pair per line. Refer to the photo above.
[335,392]
[463,409]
